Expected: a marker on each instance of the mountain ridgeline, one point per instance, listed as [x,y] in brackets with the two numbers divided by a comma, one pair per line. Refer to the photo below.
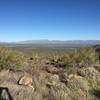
[52,43]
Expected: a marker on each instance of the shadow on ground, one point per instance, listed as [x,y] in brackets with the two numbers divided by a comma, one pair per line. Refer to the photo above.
[7,94]
[97,93]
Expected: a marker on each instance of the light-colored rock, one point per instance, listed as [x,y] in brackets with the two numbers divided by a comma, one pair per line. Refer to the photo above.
[26,81]
[89,72]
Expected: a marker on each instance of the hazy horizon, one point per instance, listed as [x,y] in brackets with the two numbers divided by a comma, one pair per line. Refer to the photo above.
[43,40]
[22,20]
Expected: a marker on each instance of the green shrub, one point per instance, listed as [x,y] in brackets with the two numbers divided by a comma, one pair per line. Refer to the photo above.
[10,58]
[82,57]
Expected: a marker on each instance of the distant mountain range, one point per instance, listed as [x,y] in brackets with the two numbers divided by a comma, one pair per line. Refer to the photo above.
[52,43]
[59,41]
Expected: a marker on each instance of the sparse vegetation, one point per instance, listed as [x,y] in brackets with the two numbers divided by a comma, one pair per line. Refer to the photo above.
[56,74]
[11,58]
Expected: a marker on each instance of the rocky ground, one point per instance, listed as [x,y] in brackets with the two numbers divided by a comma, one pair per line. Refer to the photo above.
[44,81]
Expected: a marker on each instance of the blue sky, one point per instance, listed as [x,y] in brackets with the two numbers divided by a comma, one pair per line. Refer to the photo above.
[49,19]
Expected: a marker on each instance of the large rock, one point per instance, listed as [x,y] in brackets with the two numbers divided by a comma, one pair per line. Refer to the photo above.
[26,81]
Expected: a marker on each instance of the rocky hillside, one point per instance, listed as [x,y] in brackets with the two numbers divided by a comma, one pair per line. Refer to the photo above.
[69,76]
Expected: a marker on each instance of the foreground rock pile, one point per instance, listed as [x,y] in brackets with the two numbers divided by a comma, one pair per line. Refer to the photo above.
[44,85]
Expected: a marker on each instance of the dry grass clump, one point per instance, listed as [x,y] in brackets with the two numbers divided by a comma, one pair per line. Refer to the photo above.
[93,78]
[77,82]
[79,87]
[59,92]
